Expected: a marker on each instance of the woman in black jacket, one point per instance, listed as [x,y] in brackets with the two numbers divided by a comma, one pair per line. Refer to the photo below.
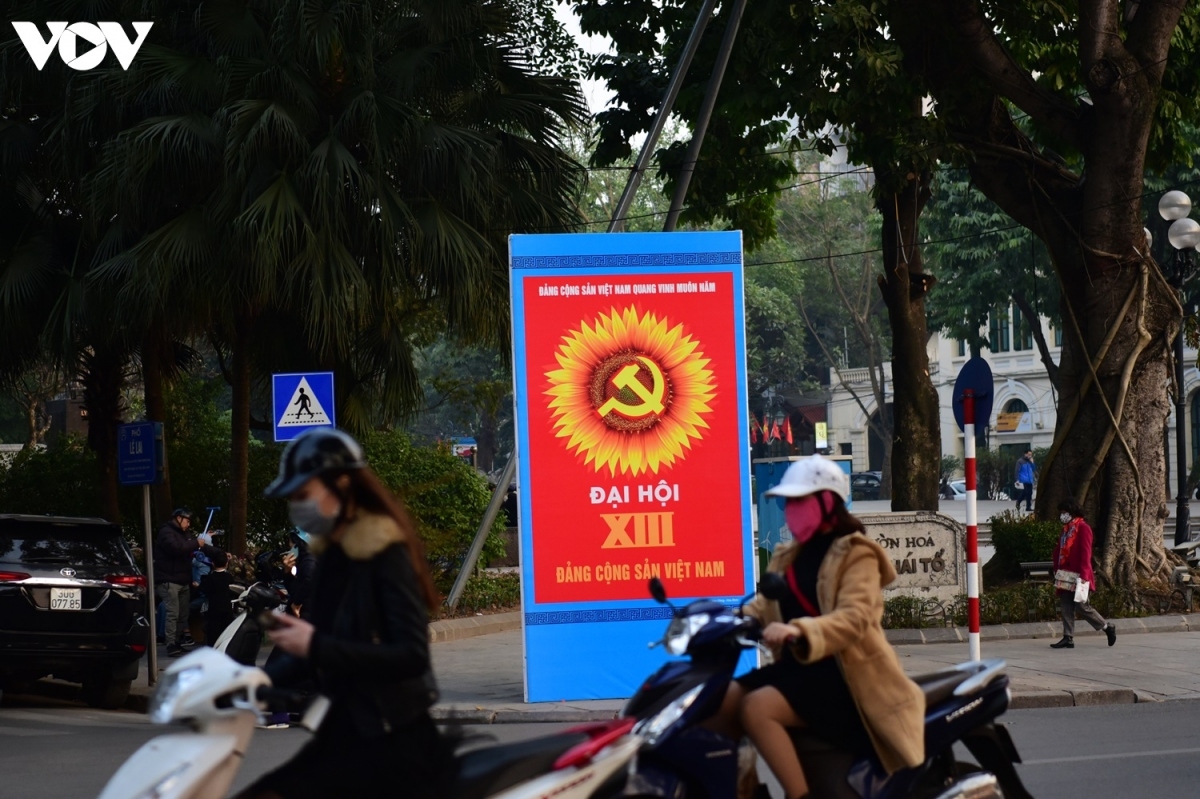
[365,636]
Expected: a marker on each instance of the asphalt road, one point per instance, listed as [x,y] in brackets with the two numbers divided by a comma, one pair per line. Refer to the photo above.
[61,750]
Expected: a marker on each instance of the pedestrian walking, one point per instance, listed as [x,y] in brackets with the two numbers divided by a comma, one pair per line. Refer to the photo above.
[364,637]
[1024,481]
[173,549]
[1073,576]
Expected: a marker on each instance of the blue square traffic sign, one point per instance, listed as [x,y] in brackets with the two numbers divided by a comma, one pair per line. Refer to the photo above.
[302,402]
[139,454]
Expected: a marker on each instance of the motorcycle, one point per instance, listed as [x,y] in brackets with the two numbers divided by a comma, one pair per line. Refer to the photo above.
[217,702]
[680,758]
[242,638]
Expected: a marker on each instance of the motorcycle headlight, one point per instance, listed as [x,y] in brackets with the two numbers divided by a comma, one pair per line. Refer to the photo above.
[164,786]
[682,628]
[653,728]
[162,705]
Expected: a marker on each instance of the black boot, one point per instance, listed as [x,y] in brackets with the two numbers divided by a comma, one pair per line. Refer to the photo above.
[1111,632]
[1065,643]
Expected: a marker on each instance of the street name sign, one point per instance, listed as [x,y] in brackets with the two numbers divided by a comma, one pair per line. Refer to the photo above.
[140,453]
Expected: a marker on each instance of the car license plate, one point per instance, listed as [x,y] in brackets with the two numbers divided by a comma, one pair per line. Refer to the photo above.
[66,599]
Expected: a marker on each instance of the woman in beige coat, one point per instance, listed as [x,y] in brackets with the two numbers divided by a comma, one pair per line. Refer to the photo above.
[834,671]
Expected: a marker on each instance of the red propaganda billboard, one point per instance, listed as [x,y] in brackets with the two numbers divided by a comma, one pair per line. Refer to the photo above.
[629,359]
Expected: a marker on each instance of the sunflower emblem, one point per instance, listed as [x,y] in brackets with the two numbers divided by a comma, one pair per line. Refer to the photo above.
[631,392]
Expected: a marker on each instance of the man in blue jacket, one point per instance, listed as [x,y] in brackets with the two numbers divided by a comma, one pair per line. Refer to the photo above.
[1024,481]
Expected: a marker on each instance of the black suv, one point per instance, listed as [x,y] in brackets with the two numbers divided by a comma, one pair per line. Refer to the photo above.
[72,605]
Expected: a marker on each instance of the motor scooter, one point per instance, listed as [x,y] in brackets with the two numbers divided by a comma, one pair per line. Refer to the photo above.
[216,703]
[242,638]
[680,758]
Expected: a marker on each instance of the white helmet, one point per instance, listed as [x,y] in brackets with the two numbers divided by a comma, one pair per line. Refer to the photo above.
[810,475]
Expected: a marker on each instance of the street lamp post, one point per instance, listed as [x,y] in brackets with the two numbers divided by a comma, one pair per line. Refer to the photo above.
[1184,236]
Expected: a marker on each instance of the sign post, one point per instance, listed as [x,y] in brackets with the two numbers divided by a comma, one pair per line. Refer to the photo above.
[140,462]
[633,430]
[972,400]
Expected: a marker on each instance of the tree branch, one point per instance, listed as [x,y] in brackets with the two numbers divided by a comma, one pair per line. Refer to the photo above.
[1150,32]
[837,369]
[1006,77]
[1035,325]
[1099,31]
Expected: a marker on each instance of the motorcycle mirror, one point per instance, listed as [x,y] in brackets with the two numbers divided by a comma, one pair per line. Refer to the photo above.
[773,586]
[658,591]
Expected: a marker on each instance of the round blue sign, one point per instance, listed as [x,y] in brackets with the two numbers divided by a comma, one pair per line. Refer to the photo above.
[975,376]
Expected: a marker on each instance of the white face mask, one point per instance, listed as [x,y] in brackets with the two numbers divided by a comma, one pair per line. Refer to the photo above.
[306,514]
[1064,517]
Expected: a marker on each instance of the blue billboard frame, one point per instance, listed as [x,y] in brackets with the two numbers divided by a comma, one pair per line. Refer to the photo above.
[598,650]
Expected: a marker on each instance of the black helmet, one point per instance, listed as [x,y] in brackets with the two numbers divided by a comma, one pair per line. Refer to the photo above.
[182,513]
[322,450]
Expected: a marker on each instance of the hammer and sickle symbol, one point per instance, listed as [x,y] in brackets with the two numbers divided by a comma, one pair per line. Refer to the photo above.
[652,398]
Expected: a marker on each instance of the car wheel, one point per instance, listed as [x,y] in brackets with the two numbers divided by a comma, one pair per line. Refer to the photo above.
[106,692]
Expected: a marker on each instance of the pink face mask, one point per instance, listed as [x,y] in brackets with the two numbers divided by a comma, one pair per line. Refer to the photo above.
[806,515]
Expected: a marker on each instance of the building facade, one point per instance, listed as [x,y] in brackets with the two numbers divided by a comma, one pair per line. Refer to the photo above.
[1024,407]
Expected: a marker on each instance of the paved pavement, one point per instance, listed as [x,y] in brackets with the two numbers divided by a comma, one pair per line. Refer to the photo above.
[481,678]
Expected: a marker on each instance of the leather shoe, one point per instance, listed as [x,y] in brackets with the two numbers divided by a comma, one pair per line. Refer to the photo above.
[1065,643]
[1111,632]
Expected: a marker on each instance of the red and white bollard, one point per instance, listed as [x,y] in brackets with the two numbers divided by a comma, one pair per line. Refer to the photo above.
[972,524]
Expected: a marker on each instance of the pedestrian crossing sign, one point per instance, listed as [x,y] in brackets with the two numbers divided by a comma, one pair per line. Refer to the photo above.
[302,402]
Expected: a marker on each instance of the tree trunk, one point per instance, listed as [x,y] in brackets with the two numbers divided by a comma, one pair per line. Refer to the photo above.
[485,442]
[156,411]
[35,428]
[916,415]
[239,469]
[1118,474]
[103,376]
[885,478]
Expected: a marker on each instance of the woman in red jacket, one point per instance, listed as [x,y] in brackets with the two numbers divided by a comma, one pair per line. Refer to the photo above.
[1074,554]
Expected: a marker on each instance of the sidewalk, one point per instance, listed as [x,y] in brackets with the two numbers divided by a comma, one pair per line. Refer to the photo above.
[481,679]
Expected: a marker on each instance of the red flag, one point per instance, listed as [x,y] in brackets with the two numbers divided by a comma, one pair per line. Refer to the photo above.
[753,429]
[766,430]
[787,429]
[774,429]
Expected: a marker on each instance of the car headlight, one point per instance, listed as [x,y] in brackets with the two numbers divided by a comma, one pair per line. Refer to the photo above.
[682,628]
[652,728]
[162,705]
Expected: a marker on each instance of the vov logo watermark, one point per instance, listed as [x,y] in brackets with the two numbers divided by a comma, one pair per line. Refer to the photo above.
[102,36]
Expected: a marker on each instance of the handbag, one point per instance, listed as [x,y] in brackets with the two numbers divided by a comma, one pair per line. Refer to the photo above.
[1066,580]
[1081,591]
[1018,485]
